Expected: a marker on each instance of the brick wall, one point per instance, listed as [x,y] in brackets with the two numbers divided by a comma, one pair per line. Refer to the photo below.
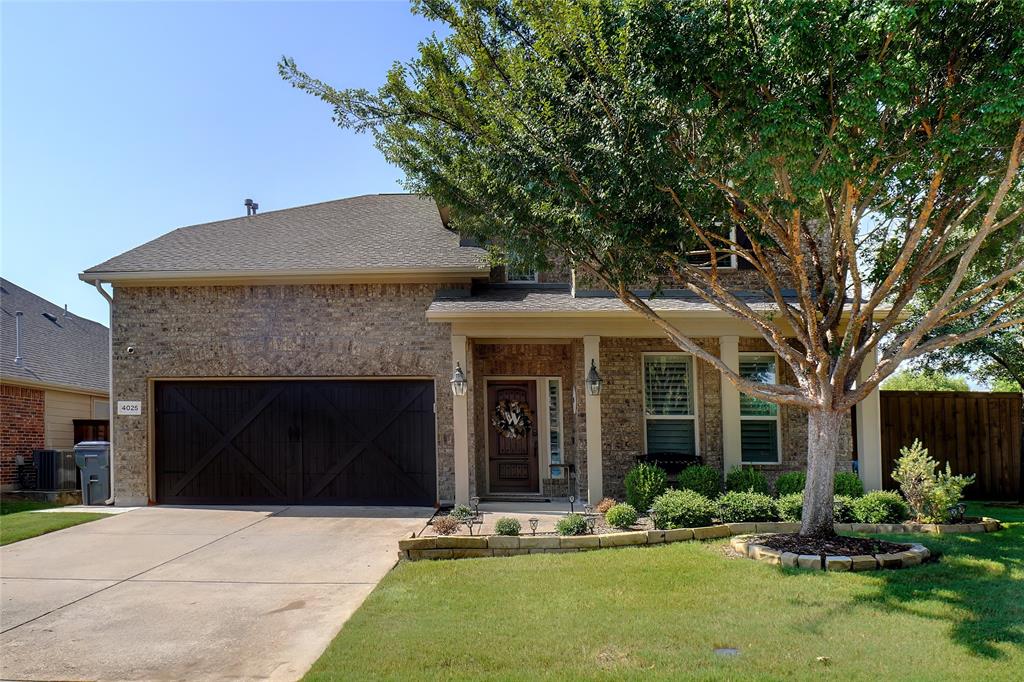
[323,330]
[22,428]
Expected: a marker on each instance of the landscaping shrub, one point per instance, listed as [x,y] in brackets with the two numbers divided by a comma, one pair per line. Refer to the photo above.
[842,509]
[446,525]
[736,506]
[507,526]
[604,505]
[849,484]
[461,512]
[930,495]
[791,507]
[683,509]
[790,482]
[746,480]
[621,516]
[644,482]
[880,506]
[701,479]
[571,524]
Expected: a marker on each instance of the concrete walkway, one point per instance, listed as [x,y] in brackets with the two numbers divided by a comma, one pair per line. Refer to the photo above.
[192,593]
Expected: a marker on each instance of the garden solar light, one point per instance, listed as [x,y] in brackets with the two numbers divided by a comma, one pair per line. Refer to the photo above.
[459,383]
[588,509]
[572,501]
[533,524]
[475,503]
[594,380]
[591,522]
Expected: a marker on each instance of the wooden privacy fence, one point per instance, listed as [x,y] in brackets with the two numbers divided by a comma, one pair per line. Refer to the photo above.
[977,433]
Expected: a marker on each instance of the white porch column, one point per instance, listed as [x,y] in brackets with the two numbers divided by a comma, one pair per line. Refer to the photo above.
[460,412]
[729,347]
[869,431]
[595,475]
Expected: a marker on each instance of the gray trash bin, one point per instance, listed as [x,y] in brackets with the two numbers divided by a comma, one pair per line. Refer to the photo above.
[93,458]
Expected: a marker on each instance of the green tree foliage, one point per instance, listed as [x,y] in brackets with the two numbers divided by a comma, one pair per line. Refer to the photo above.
[924,381]
[869,150]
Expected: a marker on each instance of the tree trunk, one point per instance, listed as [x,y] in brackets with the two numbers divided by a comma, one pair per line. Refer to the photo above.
[823,442]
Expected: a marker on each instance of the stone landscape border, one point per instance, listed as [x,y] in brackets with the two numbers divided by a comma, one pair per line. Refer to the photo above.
[465,546]
[917,554]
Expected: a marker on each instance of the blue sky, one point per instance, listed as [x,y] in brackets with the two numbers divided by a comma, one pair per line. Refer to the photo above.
[122,121]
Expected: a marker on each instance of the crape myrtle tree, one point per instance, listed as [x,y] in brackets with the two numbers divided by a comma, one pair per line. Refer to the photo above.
[865,150]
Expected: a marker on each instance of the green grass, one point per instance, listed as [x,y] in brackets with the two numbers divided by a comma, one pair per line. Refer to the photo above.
[18,522]
[659,612]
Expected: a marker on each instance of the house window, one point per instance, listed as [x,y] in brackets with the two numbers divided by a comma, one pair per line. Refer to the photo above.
[669,409]
[759,419]
[555,426]
[520,275]
[702,258]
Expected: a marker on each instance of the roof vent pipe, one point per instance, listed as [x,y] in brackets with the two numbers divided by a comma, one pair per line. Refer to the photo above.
[251,207]
[17,338]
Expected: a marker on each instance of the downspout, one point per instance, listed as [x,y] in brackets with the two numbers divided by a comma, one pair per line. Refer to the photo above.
[110,370]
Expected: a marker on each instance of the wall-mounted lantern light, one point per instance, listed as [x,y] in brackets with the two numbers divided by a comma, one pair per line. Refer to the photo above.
[594,380]
[459,383]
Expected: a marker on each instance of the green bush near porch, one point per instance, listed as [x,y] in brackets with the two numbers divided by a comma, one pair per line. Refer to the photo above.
[644,482]
[959,618]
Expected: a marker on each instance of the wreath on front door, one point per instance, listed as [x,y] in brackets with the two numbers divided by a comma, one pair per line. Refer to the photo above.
[512,418]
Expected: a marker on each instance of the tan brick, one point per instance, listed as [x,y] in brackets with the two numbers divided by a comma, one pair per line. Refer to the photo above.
[991,525]
[910,558]
[865,528]
[889,560]
[739,544]
[788,559]
[471,553]
[417,543]
[767,555]
[539,542]
[461,542]
[710,532]
[503,542]
[510,552]
[740,528]
[655,536]
[678,534]
[417,554]
[579,541]
[623,539]
[863,562]
[838,563]
[553,551]
[809,562]
[844,527]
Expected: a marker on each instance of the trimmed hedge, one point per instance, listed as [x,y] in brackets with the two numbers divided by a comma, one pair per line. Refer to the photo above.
[746,479]
[736,507]
[571,524]
[702,479]
[791,508]
[849,484]
[881,506]
[621,516]
[790,482]
[507,526]
[644,482]
[683,509]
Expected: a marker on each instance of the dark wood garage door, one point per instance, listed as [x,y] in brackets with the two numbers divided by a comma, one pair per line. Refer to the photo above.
[295,442]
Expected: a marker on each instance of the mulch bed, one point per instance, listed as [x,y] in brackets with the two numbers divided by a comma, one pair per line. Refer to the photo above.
[836,545]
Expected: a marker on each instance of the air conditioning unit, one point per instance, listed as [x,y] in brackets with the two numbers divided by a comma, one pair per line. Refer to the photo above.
[55,469]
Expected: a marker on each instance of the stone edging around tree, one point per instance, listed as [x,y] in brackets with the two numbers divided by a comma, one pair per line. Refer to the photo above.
[917,554]
[465,546]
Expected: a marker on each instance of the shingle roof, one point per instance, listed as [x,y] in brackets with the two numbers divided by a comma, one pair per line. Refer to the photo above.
[544,300]
[378,232]
[63,351]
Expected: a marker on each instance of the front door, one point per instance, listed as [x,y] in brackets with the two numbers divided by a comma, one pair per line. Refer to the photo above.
[512,428]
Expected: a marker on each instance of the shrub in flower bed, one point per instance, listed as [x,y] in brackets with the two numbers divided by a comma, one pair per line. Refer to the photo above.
[702,479]
[507,526]
[445,525]
[880,506]
[683,509]
[930,495]
[621,516]
[849,484]
[461,512]
[790,482]
[571,524]
[791,508]
[604,505]
[644,482]
[746,479]
[842,509]
[736,507]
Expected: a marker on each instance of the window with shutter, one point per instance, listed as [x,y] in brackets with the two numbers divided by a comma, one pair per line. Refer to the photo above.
[759,419]
[669,404]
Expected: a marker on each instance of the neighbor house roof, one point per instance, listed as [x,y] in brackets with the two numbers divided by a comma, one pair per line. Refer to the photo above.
[383,234]
[56,350]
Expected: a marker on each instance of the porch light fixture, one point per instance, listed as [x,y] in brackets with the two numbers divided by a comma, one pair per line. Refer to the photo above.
[533,521]
[459,383]
[594,380]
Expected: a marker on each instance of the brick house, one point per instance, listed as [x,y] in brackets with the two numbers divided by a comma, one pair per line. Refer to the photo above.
[307,355]
[54,375]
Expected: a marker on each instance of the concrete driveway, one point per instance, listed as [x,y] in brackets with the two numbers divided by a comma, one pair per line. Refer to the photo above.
[175,593]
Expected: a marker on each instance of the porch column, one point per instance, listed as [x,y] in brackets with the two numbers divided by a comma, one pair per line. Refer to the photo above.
[732,457]
[460,412]
[869,431]
[595,475]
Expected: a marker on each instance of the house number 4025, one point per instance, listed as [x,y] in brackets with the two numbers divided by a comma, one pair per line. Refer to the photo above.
[129,407]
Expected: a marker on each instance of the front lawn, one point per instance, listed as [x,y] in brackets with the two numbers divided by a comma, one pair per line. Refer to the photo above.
[19,522]
[662,611]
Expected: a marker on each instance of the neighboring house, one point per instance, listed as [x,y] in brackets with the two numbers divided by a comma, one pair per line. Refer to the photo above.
[54,370]
[306,355]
